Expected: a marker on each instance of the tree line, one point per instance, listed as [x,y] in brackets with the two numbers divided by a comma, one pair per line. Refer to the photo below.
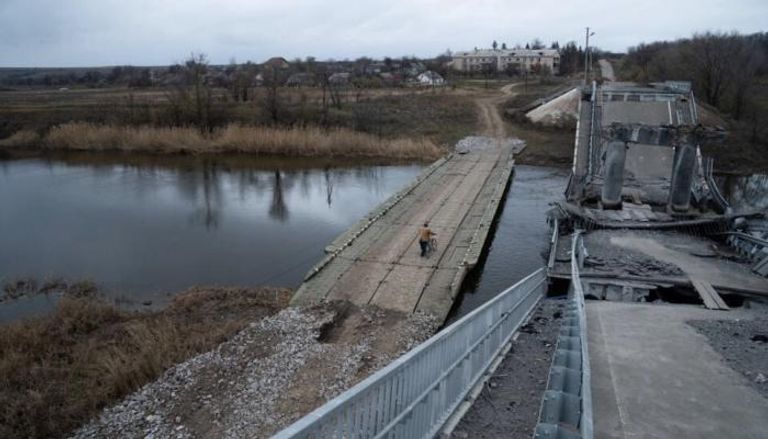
[723,67]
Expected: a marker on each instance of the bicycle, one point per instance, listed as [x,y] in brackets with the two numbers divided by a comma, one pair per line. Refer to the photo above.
[432,247]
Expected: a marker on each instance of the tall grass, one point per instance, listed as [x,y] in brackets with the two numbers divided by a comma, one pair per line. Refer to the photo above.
[295,141]
[21,139]
[59,370]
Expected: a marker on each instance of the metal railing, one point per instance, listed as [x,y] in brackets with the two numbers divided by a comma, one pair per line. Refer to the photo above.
[592,129]
[416,394]
[567,404]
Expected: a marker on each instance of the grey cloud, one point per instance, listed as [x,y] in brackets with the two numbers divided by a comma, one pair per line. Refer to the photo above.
[143,32]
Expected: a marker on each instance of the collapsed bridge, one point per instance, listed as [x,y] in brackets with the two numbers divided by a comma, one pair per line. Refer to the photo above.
[642,221]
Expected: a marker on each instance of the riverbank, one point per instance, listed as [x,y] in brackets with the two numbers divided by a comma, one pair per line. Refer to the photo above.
[59,370]
[298,141]
[267,376]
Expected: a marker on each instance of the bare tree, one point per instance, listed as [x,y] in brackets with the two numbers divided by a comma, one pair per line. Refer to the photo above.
[190,99]
[273,79]
[196,67]
[748,58]
[710,57]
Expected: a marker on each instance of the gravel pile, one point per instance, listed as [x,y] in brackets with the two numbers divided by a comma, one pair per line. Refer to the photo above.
[235,385]
[264,378]
[482,143]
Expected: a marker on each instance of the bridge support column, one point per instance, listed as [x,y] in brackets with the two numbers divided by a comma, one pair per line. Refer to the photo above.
[682,179]
[615,156]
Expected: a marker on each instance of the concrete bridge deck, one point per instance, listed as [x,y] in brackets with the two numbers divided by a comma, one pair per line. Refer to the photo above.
[377,261]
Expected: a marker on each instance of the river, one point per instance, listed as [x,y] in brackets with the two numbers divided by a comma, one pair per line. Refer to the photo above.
[143,228]
[146,227]
[520,241]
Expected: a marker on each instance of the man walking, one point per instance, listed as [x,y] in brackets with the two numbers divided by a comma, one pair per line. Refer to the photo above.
[425,234]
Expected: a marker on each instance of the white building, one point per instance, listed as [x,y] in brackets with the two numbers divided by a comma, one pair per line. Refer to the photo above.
[430,78]
[501,60]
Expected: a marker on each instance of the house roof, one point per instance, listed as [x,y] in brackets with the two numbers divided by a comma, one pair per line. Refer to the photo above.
[431,75]
[277,61]
[300,78]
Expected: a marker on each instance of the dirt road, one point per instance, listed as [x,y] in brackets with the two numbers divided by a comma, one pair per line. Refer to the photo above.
[606,70]
[492,125]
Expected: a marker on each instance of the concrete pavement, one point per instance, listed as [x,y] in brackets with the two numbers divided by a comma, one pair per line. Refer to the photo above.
[654,376]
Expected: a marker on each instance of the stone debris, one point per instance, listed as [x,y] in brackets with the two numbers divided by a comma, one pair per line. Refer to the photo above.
[264,378]
[509,404]
[483,143]
[739,343]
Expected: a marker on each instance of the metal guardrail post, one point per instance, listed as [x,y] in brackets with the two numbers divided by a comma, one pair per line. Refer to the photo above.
[553,245]
[415,395]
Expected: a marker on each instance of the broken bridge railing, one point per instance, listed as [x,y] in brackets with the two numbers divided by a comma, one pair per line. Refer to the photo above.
[416,394]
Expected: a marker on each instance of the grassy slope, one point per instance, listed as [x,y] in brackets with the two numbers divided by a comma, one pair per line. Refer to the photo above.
[550,146]
[59,370]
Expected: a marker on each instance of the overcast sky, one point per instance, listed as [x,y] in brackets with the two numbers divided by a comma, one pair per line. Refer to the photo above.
[159,32]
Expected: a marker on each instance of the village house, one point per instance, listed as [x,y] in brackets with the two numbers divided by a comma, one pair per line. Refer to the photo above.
[430,78]
[277,62]
[339,78]
[301,80]
[502,60]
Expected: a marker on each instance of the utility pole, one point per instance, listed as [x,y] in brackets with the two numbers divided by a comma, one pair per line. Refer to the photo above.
[586,58]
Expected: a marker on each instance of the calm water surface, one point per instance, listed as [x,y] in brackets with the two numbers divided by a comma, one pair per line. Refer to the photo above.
[521,240]
[145,227]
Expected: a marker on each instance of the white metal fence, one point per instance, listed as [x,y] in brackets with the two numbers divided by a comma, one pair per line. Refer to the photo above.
[415,395]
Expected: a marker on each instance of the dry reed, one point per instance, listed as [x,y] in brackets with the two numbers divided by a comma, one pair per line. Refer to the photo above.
[59,370]
[21,139]
[294,141]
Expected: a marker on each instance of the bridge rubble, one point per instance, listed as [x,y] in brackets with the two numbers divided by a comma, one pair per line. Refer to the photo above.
[654,247]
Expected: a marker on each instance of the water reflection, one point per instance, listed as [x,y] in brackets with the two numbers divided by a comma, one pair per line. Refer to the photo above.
[145,226]
[745,192]
[277,209]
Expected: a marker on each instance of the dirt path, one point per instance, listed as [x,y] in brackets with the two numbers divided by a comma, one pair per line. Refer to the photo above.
[490,119]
